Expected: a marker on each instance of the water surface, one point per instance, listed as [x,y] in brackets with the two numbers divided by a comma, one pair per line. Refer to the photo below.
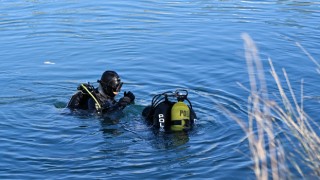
[48,47]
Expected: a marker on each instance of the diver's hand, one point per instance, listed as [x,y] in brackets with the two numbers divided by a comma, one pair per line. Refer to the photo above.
[124,101]
[130,95]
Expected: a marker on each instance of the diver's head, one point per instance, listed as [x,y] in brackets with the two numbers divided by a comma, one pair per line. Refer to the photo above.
[110,83]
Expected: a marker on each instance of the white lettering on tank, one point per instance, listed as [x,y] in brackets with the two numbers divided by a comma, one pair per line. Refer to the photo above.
[161,120]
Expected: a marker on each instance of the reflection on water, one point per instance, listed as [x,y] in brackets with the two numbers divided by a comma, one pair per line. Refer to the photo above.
[109,124]
[170,140]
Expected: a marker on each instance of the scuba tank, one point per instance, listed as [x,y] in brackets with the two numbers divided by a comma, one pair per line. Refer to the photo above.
[169,112]
[180,116]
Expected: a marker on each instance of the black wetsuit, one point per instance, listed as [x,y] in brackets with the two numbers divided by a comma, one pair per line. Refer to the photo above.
[102,102]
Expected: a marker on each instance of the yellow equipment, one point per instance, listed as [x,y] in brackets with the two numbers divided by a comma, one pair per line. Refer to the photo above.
[166,114]
[180,116]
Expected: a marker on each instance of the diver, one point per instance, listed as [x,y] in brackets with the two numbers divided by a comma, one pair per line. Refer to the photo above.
[168,112]
[101,99]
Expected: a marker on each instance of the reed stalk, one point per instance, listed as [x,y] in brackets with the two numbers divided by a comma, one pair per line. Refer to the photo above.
[269,156]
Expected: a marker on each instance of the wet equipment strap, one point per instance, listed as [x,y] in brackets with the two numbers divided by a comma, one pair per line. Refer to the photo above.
[94,98]
[179,122]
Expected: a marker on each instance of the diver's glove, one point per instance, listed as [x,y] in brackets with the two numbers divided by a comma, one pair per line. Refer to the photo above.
[129,95]
[124,101]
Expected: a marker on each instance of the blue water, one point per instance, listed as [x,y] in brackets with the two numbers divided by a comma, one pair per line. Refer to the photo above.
[48,47]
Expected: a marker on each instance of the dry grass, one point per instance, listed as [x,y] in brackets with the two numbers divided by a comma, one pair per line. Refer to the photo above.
[269,156]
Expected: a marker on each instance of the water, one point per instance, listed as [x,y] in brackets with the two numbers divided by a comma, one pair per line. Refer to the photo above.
[48,47]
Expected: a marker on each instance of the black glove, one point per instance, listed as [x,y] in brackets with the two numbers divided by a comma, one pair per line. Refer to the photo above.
[130,95]
[124,101]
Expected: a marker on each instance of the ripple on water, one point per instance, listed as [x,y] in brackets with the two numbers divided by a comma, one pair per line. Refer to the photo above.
[155,46]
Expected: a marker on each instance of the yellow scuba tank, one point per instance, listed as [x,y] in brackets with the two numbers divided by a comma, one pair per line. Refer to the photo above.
[180,116]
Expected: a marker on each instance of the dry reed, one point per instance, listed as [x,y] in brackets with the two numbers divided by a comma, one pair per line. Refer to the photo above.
[268,154]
